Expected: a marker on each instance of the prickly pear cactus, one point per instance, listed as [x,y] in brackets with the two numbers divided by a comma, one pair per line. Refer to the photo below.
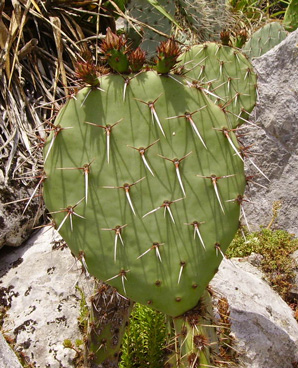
[264,39]
[145,183]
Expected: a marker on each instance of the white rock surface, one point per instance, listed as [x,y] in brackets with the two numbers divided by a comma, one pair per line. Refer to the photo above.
[44,302]
[263,324]
[8,358]
[276,142]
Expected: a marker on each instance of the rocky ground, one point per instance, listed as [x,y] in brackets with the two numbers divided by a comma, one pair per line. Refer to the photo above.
[39,285]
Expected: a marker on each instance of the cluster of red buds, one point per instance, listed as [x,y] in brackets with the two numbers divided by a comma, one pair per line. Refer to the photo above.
[120,58]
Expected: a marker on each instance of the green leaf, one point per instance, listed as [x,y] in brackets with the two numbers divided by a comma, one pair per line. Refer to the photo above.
[291,16]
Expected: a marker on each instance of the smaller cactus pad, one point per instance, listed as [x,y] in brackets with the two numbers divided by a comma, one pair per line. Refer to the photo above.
[264,39]
[146,13]
[226,76]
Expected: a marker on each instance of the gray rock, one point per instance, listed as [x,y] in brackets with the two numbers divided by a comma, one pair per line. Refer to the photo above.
[265,330]
[39,281]
[275,143]
[255,259]
[8,358]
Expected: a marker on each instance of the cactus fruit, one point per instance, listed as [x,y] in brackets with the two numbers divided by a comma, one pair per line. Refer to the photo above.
[147,185]
[225,75]
[264,39]
[241,38]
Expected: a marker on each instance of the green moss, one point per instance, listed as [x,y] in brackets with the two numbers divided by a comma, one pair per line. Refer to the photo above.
[84,312]
[275,246]
[145,339]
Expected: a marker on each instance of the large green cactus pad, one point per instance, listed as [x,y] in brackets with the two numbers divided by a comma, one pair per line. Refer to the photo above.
[173,282]
[226,74]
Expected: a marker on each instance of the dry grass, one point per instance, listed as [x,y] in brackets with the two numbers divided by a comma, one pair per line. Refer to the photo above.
[41,42]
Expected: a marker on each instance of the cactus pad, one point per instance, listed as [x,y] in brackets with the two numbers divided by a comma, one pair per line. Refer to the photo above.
[144,182]
[146,13]
[264,39]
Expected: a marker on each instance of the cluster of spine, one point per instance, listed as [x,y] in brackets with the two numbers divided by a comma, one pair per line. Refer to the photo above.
[144,175]
[109,315]
[205,18]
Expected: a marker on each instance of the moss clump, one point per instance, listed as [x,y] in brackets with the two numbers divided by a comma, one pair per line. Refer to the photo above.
[84,312]
[275,246]
[145,339]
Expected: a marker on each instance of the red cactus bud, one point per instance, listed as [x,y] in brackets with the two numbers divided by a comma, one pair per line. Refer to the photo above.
[115,49]
[137,59]
[169,48]
[241,38]
[88,73]
[167,54]
[243,34]
[113,42]
[225,37]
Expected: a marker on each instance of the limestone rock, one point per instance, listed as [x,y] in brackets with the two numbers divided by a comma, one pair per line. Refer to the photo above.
[7,356]
[275,143]
[264,327]
[39,282]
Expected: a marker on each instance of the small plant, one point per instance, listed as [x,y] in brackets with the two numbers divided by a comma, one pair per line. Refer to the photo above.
[275,246]
[291,16]
[84,312]
[145,339]
[78,360]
